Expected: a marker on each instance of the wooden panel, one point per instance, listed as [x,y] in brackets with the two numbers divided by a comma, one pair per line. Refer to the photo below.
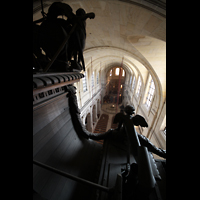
[44,115]
[58,121]
[80,158]
[114,169]
[114,159]
[56,144]
[50,145]
[45,134]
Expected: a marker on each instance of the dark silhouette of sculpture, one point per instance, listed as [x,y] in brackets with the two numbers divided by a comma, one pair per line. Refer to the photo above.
[138,120]
[78,37]
[50,35]
[75,113]
[125,128]
[138,178]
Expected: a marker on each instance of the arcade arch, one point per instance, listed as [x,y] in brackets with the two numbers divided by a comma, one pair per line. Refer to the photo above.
[94,114]
[88,122]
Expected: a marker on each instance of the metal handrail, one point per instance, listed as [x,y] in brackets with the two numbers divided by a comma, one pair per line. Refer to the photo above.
[75,178]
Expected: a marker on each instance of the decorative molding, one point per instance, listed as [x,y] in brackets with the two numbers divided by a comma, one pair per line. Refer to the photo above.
[151,5]
[49,85]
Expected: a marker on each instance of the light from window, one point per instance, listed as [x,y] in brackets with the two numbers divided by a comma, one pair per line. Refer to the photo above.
[98,78]
[93,79]
[133,85]
[139,86]
[130,80]
[111,72]
[150,94]
[117,72]
[123,73]
[84,81]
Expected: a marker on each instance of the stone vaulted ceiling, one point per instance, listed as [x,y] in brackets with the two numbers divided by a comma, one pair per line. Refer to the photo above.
[135,30]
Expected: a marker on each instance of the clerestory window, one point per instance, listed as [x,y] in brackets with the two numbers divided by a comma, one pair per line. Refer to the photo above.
[133,84]
[139,86]
[93,79]
[84,81]
[150,94]
[117,71]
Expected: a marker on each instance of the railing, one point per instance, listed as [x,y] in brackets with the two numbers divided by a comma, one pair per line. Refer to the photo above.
[75,178]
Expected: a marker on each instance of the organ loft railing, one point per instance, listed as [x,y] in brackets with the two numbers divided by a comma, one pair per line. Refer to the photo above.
[116,190]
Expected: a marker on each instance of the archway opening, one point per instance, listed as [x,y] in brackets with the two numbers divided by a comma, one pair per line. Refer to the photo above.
[115,80]
[88,122]
[94,114]
[98,108]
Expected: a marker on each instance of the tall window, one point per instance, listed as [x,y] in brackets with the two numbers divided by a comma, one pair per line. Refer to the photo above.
[98,78]
[84,80]
[117,71]
[93,79]
[150,94]
[123,73]
[133,85]
[139,86]
[130,80]
[111,72]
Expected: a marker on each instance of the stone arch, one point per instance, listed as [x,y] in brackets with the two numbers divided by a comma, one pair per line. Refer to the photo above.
[94,114]
[88,122]
[98,108]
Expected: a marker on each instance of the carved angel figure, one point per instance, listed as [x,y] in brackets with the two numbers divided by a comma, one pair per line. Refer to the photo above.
[136,121]
[126,129]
